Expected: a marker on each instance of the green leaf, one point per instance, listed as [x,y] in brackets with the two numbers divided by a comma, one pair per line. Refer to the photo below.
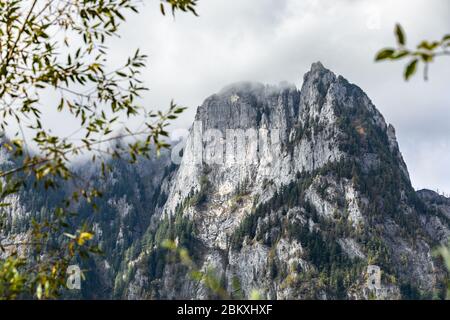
[400,54]
[428,45]
[384,54]
[400,34]
[426,57]
[411,68]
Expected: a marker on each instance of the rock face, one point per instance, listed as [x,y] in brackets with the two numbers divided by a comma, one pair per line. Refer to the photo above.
[437,223]
[293,193]
[284,193]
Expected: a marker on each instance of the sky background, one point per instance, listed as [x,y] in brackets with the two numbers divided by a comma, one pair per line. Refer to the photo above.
[271,41]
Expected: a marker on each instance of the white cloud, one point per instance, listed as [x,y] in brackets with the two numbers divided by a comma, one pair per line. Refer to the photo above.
[271,40]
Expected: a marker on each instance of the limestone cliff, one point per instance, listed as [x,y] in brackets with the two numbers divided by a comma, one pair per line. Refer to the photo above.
[294,193]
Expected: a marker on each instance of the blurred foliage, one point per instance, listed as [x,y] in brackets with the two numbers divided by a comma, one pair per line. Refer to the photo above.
[182,5]
[58,49]
[207,276]
[424,53]
[444,253]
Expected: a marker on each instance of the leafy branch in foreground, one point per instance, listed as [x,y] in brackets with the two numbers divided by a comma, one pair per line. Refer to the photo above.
[58,49]
[182,5]
[207,276]
[425,52]
[444,253]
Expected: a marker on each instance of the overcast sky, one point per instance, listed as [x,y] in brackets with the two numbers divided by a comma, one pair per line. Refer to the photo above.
[271,41]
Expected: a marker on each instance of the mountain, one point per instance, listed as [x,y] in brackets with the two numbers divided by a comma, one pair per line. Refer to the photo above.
[437,223]
[294,193]
[287,193]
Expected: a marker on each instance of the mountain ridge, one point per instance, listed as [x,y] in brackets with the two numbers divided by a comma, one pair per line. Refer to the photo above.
[290,192]
[335,179]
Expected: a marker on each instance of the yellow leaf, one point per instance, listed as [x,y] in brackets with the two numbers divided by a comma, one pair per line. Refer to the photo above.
[39,291]
[84,236]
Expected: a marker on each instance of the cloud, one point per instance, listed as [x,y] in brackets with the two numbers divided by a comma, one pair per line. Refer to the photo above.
[270,41]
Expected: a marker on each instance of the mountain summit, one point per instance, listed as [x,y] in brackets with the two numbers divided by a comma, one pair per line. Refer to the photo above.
[294,193]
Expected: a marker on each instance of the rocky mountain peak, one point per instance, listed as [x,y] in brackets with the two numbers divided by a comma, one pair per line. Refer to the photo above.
[305,189]
[318,79]
[318,70]
[293,193]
